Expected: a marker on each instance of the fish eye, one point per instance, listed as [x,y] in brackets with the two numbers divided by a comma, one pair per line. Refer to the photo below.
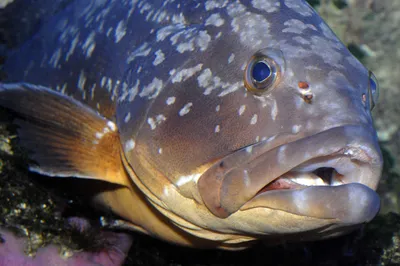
[261,73]
[373,90]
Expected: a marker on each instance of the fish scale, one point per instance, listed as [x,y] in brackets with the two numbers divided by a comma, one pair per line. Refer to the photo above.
[163,99]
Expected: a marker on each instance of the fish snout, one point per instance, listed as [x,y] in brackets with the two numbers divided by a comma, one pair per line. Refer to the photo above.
[328,175]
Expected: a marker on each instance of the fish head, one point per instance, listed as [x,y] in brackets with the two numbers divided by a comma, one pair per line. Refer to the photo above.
[254,123]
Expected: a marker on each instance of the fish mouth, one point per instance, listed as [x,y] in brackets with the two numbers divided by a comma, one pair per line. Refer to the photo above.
[328,175]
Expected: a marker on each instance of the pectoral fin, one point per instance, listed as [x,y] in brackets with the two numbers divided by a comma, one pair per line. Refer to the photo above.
[64,137]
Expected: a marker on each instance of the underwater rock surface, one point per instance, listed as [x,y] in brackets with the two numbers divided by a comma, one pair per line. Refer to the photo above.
[4,3]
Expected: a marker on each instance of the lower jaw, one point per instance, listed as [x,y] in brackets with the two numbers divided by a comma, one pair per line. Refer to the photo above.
[346,205]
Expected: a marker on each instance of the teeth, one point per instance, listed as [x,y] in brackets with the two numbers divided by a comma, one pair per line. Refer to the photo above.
[336,179]
[331,178]
[307,179]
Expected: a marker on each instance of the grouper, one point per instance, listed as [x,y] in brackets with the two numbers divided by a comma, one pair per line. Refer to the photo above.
[210,124]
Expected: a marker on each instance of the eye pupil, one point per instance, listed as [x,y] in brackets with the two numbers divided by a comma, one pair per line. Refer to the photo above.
[261,71]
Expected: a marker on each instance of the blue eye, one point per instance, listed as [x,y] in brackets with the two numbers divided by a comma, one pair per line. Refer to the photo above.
[261,71]
[373,90]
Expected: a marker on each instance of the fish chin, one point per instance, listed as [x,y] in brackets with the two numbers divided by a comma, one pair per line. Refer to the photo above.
[328,175]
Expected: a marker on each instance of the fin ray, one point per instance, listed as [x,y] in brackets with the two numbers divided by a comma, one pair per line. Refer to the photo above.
[63,136]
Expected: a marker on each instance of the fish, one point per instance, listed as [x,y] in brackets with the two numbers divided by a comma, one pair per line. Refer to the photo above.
[208,124]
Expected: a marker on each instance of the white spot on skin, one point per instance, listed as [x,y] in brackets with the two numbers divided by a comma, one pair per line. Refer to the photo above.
[109,31]
[72,47]
[217,129]
[112,126]
[174,38]
[301,40]
[185,109]
[109,85]
[154,122]
[132,92]
[55,58]
[231,58]
[274,111]
[103,81]
[300,7]
[249,149]
[281,154]
[271,138]
[170,100]
[161,16]
[231,88]
[186,179]
[204,78]
[81,81]
[160,57]
[248,25]
[203,40]
[90,50]
[213,4]
[215,20]
[89,44]
[242,109]
[296,129]
[217,108]
[210,83]
[153,89]
[186,46]
[253,120]
[120,31]
[142,50]
[297,26]
[129,145]
[267,6]
[99,135]
[236,9]
[246,178]
[166,191]
[167,31]
[160,151]
[127,117]
[179,19]
[185,74]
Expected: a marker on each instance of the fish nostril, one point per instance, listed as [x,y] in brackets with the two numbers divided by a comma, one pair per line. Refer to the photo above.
[364,98]
[308,98]
[303,85]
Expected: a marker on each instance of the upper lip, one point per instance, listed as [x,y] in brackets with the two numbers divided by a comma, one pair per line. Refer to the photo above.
[351,150]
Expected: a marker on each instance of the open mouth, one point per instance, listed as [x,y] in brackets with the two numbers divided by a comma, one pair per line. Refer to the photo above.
[323,176]
[325,161]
